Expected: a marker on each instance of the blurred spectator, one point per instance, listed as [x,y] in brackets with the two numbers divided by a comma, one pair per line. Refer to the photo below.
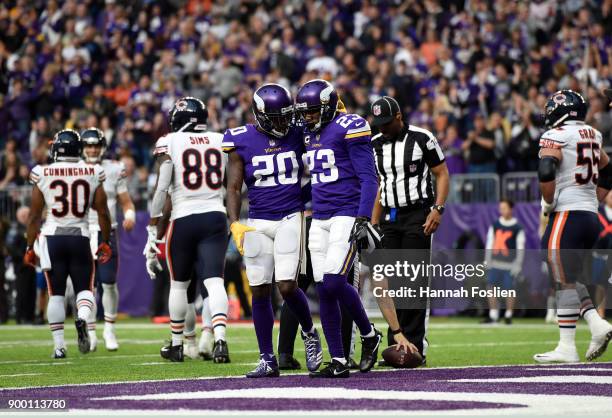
[479,147]
[25,275]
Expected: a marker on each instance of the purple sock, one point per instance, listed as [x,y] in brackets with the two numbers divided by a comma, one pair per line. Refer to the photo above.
[330,320]
[299,306]
[263,319]
[349,298]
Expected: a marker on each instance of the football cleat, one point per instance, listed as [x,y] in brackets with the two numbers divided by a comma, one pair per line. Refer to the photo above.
[558,355]
[83,335]
[369,350]
[333,370]
[191,349]
[220,352]
[173,353]
[508,321]
[352,363]
[288,362]
[93,341]
[265,369]
[599,343]
[314,351]
[488,321]
[205,348]
[59,353]
[110,340]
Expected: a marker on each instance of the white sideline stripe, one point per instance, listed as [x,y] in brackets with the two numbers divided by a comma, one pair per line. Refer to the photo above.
[159,363]
[548,404]
[579,369]
[597,380]
[21,374]
[284,374]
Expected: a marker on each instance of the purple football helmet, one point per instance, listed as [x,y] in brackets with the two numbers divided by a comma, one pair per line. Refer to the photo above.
[273,109]
[316,96]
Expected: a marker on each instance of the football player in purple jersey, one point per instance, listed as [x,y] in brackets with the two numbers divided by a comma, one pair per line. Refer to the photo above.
[344,186]
[267,156]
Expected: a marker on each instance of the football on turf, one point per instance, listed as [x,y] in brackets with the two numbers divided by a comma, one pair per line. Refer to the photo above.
[402,359]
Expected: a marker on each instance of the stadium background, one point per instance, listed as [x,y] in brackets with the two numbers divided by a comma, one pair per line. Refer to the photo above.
[451,65]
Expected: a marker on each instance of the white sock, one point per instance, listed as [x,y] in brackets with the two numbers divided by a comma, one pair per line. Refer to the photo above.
[494,314]
[56,314]
[190,322]
[593,319]
[85,303]
[110,302]
[567,319]
[340,359]
[508,313]
[177,305]
[206,317]
[91,321]
[218,305]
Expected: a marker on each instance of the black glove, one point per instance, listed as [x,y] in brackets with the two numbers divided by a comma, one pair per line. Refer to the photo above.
[365,235]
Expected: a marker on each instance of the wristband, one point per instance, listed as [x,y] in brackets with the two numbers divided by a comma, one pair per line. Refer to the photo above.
[130,215]
[397,331]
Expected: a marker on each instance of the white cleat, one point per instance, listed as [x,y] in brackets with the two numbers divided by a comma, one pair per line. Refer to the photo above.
[205,349]
[93,341]
[558,355]
[599,342]
[191,350]
[110,341]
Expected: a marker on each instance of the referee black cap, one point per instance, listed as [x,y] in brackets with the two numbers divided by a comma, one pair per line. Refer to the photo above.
[384,110]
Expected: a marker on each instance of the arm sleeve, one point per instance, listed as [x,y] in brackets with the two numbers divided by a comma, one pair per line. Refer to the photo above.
[164,181]
[362,159]
[432,151]
[161,146]
[553,138]
[36,175]
[122,180]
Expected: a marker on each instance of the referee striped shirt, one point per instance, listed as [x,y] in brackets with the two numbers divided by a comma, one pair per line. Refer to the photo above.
[403,166]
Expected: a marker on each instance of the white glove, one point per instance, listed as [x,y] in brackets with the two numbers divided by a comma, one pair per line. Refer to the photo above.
[152,241]
[152,264]
[516,270]
[547,208]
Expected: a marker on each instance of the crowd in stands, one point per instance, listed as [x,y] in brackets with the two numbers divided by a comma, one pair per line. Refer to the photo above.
[477,73]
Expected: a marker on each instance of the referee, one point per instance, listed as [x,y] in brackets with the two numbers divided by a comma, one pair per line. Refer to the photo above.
[407,209]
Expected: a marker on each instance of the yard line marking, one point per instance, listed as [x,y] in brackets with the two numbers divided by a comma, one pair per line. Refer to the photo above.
[597,380]
[21,374]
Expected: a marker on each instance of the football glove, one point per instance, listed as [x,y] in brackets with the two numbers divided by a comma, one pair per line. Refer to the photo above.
[152,241]
[104,252]
[238,231]
[365,235]
[152,264]
[29,258]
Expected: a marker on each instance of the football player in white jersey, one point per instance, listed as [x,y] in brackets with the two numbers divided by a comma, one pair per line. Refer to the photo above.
[68,187]
[191,166]
[574,173]
[115,186]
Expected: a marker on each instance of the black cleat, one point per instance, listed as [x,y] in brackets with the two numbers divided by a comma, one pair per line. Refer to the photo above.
[288,362]
[352,364]
[488,321]
[369,350]
[59,353]
[83,335]
[220,352]
[508,321]
[172,352]
[332,370]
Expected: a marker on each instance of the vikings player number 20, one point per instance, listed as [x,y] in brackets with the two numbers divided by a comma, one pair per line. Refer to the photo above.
[265,175]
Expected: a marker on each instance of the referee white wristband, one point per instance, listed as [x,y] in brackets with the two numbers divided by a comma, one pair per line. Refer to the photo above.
[130,215]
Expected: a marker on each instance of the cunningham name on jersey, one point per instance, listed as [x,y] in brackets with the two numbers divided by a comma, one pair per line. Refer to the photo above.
[198,167]
[68,189]
[576,180]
